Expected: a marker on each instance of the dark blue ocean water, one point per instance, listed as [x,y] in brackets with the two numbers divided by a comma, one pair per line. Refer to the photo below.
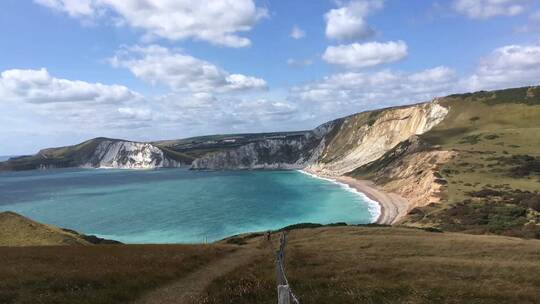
[177,205]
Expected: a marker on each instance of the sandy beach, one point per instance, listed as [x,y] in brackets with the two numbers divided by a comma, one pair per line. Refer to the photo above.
[393,206]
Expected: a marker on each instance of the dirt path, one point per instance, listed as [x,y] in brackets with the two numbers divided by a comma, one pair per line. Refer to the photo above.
[194,284]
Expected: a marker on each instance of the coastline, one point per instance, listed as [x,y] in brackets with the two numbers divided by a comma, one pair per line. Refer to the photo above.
[390,206]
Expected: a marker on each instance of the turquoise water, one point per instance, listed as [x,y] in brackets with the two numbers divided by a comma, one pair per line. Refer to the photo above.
[177,205]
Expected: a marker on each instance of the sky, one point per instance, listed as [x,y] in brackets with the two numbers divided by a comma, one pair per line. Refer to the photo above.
[143,70]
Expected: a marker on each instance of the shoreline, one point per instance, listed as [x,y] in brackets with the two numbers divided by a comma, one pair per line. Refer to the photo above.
[391,207]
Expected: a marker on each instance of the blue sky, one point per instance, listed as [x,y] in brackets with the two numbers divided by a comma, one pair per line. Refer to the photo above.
[162,69]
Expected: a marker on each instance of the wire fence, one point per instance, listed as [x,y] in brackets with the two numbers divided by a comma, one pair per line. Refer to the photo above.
[285,293]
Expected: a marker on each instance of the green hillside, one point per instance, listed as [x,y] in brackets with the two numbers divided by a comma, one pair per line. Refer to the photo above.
[492,183]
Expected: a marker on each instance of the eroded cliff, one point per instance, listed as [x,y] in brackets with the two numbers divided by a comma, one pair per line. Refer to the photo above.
[364,137]
[129,155]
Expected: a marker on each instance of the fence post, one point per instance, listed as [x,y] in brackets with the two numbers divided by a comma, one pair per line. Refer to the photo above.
[285,294]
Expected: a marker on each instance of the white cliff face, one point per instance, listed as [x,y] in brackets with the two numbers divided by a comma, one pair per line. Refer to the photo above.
[129,155]
[268,154]
[368,142]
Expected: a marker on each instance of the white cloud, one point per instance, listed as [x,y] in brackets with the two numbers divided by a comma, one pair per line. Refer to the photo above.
[363,55]
[297,33]
[39,87]
[483,9]
[348,21]
[181,72]
[345,93]
[507,66]
[214,21]
[208,114]
[136,113]
[74,8]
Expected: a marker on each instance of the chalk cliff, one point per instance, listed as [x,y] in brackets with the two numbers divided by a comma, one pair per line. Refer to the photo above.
[129,155]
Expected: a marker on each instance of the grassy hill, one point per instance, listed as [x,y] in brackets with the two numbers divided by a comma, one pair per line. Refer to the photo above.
[17,230]
[491,183]
[61,157]
[324,265]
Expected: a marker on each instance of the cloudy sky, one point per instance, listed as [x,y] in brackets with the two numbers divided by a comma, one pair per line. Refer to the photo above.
[162,69]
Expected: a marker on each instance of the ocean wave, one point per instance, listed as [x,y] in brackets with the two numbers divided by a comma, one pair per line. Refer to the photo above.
[374,208]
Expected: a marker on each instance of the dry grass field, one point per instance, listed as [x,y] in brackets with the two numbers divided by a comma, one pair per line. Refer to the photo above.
[324,265]
[96,274]
[390,265]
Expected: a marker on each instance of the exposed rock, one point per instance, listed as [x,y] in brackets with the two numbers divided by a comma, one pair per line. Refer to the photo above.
[129,155]
[365,137]
[287,153]
[409,170]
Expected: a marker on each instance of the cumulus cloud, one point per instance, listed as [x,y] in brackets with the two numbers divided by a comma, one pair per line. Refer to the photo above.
[349,21]
[181,72]
[74,8]
[349,92]
[483,9]
[363,55]
[345,93]
[507,66]
[297,33]
[39,87]
[174,20]
[210,114]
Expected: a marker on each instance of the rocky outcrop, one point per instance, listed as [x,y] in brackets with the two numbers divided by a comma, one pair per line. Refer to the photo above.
[410,171]
[129,155]
[365,137]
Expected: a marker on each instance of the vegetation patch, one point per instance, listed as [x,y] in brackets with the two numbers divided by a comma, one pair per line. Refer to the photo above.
[471,139]
[309,226]
[95,274]
[489,217]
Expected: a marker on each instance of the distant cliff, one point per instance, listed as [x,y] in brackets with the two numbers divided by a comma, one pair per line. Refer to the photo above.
[129,155]
[288,151]
[98,153]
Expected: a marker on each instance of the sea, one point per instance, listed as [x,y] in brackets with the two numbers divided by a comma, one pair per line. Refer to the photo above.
[179,205]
